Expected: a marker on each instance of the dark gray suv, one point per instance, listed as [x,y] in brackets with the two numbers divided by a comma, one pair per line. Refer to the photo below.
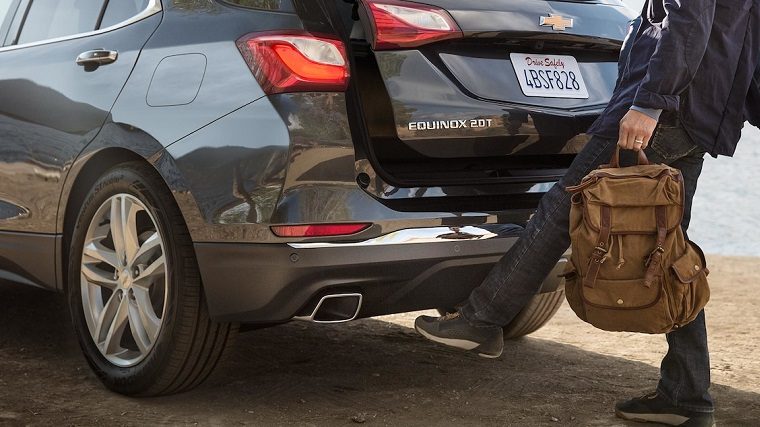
[182,167]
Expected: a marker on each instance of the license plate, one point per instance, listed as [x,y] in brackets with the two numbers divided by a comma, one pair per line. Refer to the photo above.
[549,76]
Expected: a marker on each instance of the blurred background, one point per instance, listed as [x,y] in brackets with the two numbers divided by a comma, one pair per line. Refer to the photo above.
[725,219]
[634,4]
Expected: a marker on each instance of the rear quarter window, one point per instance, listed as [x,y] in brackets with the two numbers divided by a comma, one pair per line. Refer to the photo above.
[119,11]
[49,19]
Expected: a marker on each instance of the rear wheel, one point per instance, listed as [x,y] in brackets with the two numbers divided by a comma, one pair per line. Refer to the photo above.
[537,313]
[134,290]
[534,316]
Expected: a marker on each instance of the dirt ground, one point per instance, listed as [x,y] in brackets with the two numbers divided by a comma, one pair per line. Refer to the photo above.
[380,372]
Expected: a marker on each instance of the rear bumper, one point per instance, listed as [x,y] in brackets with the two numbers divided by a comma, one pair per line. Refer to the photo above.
[272,283]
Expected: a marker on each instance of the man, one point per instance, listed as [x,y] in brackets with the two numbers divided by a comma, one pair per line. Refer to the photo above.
[689,67]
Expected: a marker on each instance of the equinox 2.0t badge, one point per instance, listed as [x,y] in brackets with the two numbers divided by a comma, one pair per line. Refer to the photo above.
[451,124]
[557,22]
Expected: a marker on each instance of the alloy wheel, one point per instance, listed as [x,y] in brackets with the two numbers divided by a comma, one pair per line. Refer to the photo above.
[124,280]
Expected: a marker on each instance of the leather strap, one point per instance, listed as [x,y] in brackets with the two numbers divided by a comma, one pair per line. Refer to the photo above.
[600,251]
[655,258]
[615,161]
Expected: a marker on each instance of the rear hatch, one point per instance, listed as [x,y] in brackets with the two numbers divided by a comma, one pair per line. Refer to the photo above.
[461,93]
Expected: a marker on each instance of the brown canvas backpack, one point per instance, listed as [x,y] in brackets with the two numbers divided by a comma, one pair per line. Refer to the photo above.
[631,268]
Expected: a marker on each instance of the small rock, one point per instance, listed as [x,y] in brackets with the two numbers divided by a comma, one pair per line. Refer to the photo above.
[555,419]
[359,418]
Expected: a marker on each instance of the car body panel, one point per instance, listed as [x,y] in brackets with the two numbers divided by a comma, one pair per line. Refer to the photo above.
[29,259]
[234,191]
[282,282]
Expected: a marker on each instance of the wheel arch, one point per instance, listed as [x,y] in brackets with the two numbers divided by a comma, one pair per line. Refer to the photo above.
[92,168]
[87,169]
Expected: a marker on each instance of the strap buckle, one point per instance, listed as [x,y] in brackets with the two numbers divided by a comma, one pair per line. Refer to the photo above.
[648,260]
[600,255]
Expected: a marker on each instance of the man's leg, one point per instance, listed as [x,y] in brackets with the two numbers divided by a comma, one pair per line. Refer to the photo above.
[685,370]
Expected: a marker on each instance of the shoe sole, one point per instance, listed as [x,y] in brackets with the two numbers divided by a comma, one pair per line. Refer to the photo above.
[669,419]
[460,344]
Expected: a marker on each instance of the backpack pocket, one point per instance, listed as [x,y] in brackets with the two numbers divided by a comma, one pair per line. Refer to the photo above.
[689,284]
[627,305]
[621,294]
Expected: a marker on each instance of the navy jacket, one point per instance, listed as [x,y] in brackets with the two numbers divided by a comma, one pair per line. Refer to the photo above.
[694,59]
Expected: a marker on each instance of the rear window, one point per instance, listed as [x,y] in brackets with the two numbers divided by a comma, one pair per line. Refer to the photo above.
[49,19]
[121,10]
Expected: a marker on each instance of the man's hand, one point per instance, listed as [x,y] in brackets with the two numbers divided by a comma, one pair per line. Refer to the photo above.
[636,131]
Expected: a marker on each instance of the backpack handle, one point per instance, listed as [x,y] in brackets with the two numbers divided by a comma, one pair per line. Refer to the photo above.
[615,161]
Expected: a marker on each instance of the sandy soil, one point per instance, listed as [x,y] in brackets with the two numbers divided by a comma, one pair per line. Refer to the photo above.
[380,372]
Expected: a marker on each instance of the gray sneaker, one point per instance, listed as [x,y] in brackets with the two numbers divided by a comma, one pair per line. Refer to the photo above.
[454,331]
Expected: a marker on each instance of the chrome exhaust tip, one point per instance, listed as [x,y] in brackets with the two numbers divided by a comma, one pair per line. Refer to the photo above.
[335,308]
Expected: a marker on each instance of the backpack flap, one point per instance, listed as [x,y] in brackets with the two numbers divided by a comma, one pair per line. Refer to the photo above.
[690,267]
[621,294]
[633,193]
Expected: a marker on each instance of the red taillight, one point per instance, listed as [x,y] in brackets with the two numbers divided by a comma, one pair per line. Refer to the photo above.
[401,24]
[298,62]
[318,230]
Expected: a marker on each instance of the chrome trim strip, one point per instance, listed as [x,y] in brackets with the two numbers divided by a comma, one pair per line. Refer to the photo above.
[311,317]
[154,7]
[410,236]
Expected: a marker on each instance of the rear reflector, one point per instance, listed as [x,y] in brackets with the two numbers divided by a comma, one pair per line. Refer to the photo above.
[318,230]
[401,24]
[297,62]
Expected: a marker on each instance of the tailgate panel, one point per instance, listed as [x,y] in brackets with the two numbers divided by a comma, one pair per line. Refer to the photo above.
[452,114]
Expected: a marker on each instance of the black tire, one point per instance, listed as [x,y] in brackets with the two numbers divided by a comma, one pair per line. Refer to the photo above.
[534,316]
[188,344]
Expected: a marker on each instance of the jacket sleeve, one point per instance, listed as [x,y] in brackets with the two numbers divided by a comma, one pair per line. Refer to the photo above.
[752,104]
[684,37]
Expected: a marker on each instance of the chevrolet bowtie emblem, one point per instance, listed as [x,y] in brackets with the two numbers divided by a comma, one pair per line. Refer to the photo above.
[557,22]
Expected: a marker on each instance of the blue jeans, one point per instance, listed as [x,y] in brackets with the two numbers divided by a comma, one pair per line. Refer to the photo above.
[517,277]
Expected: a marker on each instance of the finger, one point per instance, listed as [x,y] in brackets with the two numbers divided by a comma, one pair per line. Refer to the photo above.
[623,138]
[637,140]
[630,143]
[638,143]
[647,139]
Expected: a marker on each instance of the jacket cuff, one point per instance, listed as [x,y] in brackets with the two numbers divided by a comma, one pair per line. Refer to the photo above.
[651,112]
[647,99]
